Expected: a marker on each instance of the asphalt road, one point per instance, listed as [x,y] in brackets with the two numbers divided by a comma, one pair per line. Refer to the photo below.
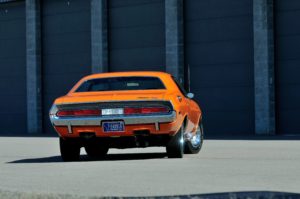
[33,165]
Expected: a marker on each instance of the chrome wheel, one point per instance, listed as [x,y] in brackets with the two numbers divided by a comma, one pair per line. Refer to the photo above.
[193,142]
[196,139]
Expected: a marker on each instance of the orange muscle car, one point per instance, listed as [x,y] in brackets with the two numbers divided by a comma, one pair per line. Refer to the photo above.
[124,110]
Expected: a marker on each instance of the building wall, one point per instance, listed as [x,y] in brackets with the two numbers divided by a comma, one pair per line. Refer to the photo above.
[217,40]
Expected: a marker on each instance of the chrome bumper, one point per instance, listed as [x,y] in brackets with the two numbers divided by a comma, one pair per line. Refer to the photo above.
[96,121]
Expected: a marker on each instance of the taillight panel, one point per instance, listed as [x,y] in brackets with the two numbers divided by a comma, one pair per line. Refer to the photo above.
[126,111]
[125,108]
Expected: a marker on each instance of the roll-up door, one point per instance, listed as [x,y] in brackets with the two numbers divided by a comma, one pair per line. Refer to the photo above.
[13,68]
[66,48]
[136,35]
[287,59]
[219,52]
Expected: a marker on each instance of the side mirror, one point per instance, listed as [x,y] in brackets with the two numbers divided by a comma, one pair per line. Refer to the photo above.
[190,95]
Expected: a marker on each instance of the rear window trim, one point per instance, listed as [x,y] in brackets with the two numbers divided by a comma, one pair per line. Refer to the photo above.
[76,90]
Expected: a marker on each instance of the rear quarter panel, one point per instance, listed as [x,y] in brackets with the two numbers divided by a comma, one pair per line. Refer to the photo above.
[185,108]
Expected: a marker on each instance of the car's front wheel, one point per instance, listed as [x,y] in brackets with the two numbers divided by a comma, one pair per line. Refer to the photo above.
[193,144]
[175,146]
[69,150]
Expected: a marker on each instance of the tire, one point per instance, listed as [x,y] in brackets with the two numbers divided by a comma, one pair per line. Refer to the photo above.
[175,146]
[96,150]
[194,146]
[69,150]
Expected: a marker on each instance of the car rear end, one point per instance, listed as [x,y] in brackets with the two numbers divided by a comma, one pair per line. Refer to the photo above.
[114,119]
[136,110]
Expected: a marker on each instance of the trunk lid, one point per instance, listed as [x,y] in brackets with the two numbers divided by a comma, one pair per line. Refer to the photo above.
[89,97]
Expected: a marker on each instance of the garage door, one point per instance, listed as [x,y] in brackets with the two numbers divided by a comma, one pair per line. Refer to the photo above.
[13,68]
[136,35]
[65,48]
[288,66]
[219,52]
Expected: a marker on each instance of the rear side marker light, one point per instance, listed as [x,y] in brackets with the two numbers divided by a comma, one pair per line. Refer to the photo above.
[78,113]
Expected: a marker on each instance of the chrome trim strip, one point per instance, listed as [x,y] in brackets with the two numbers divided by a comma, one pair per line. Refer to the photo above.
[156,126]
[112,101]
[96,121]
[69,128]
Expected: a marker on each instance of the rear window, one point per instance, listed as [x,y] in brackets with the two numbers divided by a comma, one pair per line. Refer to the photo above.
[121,83]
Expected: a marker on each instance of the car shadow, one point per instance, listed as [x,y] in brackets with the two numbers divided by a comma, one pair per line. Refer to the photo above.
[85,158]
[253,137]
[225,195]
[246,195]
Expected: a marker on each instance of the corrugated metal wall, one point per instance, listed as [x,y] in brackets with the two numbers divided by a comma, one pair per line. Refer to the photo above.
[136,35]
[287,61]
[219,52]
[13,69]
[66,48]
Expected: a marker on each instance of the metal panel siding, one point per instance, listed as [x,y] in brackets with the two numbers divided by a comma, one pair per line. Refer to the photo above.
[136,35]
[219,51]
[287,65]
[66,48]
[13,68]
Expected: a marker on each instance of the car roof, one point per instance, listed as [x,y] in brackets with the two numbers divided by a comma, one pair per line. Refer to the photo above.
[126,74]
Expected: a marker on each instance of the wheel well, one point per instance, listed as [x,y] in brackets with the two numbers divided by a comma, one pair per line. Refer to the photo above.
[200,119]
[185,121]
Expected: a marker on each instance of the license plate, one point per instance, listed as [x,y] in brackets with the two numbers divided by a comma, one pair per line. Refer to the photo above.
[112,111]
[113,126]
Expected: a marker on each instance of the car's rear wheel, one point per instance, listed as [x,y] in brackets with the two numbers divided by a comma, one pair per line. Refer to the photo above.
[69,150]
[96,150]
[193,144]
[175,146]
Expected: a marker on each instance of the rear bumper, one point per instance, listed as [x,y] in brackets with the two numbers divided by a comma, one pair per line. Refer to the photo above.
[155,124]
[95,121]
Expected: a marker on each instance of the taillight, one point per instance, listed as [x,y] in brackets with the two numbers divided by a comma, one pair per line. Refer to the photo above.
[154,110]
[130,111]
[67,113]
[145,110]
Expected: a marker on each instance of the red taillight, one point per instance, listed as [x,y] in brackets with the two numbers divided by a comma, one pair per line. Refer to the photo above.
[67,113]
[155,110]
[64,113]
[145,110]
[86,112]
[129,111]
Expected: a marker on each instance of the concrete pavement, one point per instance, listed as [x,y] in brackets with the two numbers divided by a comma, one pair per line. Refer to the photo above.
[33,165]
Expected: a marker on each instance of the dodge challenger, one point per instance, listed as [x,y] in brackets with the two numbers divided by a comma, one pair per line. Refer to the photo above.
[126,110]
